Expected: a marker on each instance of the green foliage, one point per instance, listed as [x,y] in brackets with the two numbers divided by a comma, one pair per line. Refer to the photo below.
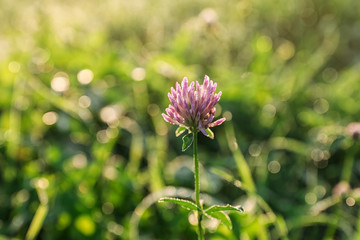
[210,133]
[223,217]
[216,211]
[187,141]
[180,130]
[228,207]
[183,203]
[85,153]
[37,222]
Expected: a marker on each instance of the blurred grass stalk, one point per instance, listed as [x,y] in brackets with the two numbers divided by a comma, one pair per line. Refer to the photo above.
[242,166]
[249,186]
[157,147]
[15,119]
[41,212]
[345,177]
[358,227]
[137,144]
[37,222]
[60,102]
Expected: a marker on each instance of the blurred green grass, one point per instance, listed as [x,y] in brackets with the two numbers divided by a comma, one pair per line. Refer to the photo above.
[85,153]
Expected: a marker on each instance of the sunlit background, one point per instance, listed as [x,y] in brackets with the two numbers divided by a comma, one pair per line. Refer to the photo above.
[85,153]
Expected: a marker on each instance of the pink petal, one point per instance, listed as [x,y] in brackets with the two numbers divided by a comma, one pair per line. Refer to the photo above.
[184,85]
[170,112]
[191,92]
[178,87]
[217,122]
[173,92]
[198,91]
[179,118]
[206,81]
[171,98]
[209,120]
[197,117]
[168,119]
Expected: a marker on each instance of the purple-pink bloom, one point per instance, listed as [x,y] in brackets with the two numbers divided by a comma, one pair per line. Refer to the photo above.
[193,107]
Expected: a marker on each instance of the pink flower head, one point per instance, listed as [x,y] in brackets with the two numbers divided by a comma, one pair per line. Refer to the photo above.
[194,107]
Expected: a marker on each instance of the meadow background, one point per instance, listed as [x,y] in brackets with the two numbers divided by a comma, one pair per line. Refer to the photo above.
[85,153]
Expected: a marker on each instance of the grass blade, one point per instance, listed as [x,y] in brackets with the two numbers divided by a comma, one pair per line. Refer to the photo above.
[37,222]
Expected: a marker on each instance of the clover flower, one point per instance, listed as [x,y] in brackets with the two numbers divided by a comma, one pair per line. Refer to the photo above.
[193,108]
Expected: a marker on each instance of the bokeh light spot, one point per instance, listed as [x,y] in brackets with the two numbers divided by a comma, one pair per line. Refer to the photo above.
[269,110]
[115,228]
[110,172]
[329,75]
[60,82]
[322,138]
[310,198]
[22,196]
[63,221]
[85,76]
[79,161]
[14,67]
[218,110]
[193,219]
[112,132]
[85,225]
[108,208]
[162,129]
[165,69]
[84,101]
[109,114]
[327,154]
[227,115]
[264,44]
[83,188]
[321,106]
[320,191]
[274,167]
[209,16]
[41,183]
[286,50]
[317,155]
[102,137]
[356,192]
[350,201]
[138,74]
[254,149]
[40,56]
[50,118]
[153,109]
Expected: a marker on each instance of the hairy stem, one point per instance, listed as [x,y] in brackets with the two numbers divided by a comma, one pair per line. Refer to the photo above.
[197,185]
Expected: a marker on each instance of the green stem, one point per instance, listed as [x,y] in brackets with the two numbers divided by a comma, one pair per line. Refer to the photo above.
[358,227]
[197,185]
[345,177]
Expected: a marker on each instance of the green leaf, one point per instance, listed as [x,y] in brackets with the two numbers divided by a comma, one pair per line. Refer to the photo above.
[210,133]
[223,174]
[180,131]
[187,141]
[223,217]
[182,202]
[217,208]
